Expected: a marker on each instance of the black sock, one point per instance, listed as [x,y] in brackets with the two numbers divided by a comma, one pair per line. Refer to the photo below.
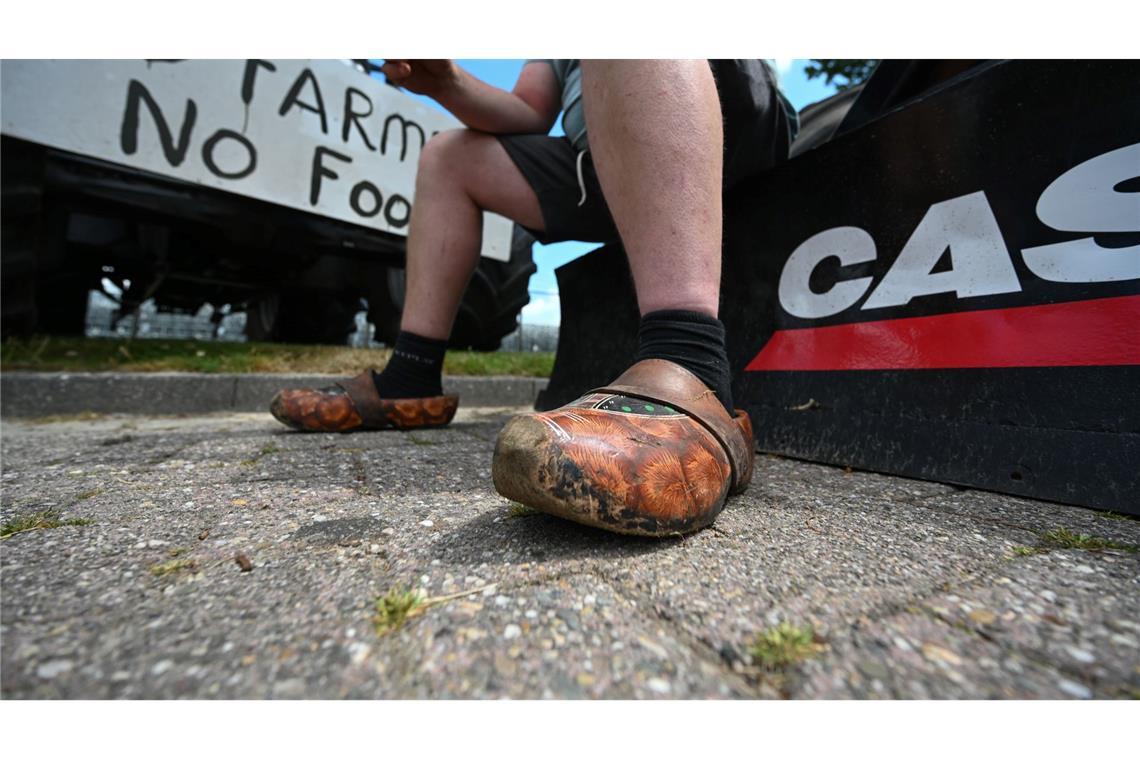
[415,368]
[691,339]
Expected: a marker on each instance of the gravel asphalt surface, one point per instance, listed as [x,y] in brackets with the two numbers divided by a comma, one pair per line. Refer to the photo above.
[222,556]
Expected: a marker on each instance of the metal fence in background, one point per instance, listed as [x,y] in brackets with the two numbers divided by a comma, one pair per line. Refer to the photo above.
[531,338]
[148,322]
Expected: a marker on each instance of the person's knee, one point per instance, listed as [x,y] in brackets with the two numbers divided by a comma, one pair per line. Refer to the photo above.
[438,159]
[444,157]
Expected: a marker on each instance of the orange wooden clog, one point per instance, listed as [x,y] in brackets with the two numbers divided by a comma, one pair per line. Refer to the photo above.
[354,404]
[654,453]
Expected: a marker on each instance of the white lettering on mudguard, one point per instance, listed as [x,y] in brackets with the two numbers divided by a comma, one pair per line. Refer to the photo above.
[980,261]
[851,245]
[1084,199]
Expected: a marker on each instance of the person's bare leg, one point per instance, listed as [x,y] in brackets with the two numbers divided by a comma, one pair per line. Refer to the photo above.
[461,174]
[656,138]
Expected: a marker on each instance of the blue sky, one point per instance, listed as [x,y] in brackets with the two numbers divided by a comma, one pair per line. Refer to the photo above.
[544,305]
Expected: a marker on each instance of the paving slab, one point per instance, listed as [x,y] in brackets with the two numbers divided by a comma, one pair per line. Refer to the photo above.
[222,556]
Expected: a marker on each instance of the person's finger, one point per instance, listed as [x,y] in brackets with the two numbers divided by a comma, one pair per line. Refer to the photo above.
[396,69]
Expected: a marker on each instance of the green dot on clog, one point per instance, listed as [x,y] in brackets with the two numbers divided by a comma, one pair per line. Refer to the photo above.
[626,409]
[649,407]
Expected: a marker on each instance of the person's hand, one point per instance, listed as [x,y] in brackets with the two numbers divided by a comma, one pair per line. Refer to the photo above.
[424,76]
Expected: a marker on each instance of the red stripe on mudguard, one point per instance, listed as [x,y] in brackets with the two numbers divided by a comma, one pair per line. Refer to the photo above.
[1104,332]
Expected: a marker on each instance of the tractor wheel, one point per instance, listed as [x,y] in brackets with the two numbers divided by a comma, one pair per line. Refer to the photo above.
[301,317]
[490,309]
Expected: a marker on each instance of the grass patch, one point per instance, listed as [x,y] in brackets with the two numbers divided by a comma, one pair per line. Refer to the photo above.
[172,567]
[785,644]
[526,364]
[1026,551]
[85,495]
[43,520]
[1063,538]
[52,419]
[57,354]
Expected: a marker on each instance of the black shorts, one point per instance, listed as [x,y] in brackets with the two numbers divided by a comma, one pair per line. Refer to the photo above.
[756,136]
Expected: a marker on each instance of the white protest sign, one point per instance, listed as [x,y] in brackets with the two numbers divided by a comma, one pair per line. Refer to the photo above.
[317,136]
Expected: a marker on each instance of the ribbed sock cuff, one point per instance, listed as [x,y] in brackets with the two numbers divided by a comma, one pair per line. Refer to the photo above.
[415,369]
[693,340]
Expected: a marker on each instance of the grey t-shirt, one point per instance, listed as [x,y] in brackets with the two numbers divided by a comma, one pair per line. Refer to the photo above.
[569,76]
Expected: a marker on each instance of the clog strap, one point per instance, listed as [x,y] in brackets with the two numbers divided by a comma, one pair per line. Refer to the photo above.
[362,390]
[664,382]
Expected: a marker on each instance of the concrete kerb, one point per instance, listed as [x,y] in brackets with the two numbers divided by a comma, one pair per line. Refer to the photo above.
[38,394]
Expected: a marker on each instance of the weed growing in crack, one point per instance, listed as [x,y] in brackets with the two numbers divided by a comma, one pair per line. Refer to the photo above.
[43,520]
[515,509]
[172,567]
[395,607]
[1063,538]
[784,645]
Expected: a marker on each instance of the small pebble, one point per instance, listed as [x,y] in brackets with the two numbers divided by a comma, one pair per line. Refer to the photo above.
[512,631]
[658,686]
[53,668]
[1081,655]
[1074,689]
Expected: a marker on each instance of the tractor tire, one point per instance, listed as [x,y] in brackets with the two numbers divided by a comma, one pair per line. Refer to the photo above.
[61,303]
[18,281]
[490,309]
[45,285]
[21,208]
[308,317]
